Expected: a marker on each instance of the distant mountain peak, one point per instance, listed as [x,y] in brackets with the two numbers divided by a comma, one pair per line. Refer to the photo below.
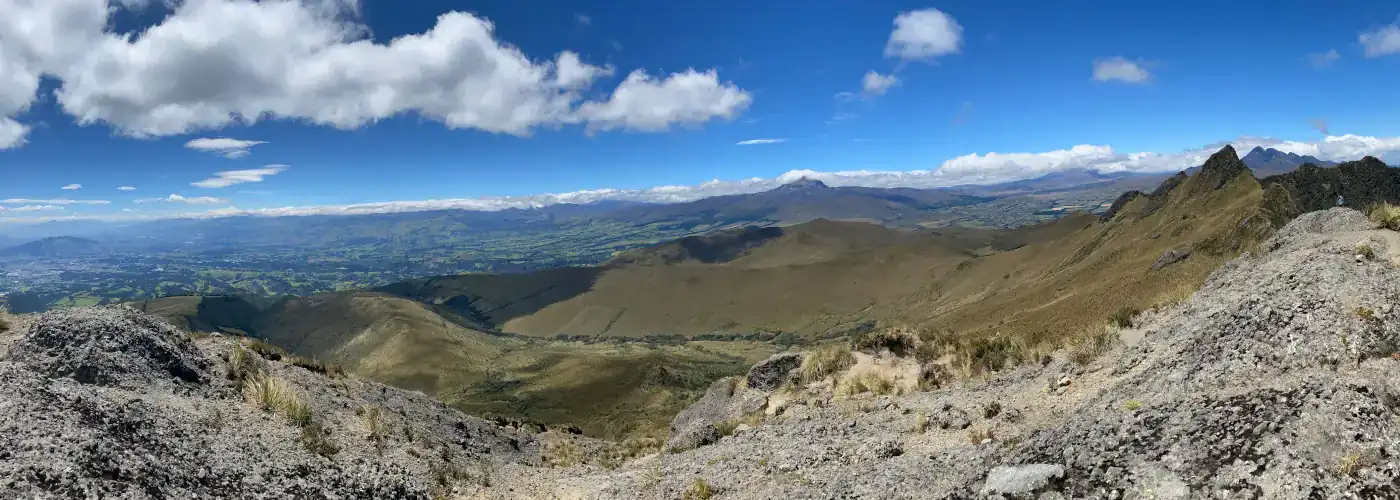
[806,183]
[1269,161]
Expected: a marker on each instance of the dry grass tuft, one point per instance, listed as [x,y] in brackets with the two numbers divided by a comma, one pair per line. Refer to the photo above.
[241,365]
[699,490]
[1350,464]
[979,435]
[1123,317]
[921,423]
[865,382]
[898,341]
[1366,252]
[1387,216]
[562,453]
[824,362]
[727,427]
[275,395]
[376,425]
[1087,349]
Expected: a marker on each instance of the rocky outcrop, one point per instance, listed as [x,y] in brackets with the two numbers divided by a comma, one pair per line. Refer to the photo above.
[774,371]
[113,403]
[1220,168]
[1275,380]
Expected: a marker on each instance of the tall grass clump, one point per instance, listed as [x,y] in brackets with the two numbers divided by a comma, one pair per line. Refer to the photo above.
[865,382]
[376,426]
[1086,349]
[1386,216]
[275,395]
[824,362]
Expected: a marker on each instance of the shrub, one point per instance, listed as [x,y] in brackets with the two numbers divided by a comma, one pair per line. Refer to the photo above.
[699,490]
[1367,314]
[932,376]
[1386,216]
[824,362]
[316,366]
[989,354]
[376,426]
[1086,349]
[241,365]
[977,435]
[1366,252]
[275,395]
[897,341]
[863,383]
[562,453]
[1350,464]
[264,349]
[727,427]
[1123,317]
[313,438]
[921,423]
[1132,405]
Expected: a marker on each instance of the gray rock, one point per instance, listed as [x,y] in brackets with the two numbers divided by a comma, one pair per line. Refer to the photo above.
[1021,479]
[1171,257]
[712,407]
[694,436]
[771,373]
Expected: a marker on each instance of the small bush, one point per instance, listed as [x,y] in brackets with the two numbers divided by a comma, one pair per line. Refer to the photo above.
[1086,349]
[727,427]
[1367,314]
[264,349]
[932,376]
[824,362]
[313,438]
[984,355]
[897,341]
[376,426]
[863,383]
[1132,405]
[562,453]
[699,490]
[316,366]
[1350,464]
[977,435]
[241,365]
[1387,216]
[1366,252]
[275,395]
[921,423]
[1123,317]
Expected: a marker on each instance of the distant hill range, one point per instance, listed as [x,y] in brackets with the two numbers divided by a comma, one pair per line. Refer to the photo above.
[54,247]
[1267,162]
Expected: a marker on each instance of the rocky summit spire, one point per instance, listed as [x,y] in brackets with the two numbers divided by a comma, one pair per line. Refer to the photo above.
[1220,168]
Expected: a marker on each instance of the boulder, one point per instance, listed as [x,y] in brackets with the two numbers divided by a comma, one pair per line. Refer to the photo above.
[1021,479]
[694,436]
[771,373]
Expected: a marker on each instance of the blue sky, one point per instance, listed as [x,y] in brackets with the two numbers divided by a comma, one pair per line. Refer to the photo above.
[340,121]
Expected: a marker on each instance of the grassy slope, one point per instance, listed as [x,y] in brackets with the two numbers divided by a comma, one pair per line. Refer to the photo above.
[608,389]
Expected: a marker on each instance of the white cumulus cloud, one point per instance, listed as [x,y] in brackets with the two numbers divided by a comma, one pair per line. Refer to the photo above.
[647,104]
[230,177]
[1119,69]
[55,202]
[876,83]
[213,63]
[223,146]
[754,142]
[924,35]
[72,187]
[125,188]
[1381,42]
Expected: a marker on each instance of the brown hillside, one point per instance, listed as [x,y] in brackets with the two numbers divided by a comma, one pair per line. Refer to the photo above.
[827,279]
